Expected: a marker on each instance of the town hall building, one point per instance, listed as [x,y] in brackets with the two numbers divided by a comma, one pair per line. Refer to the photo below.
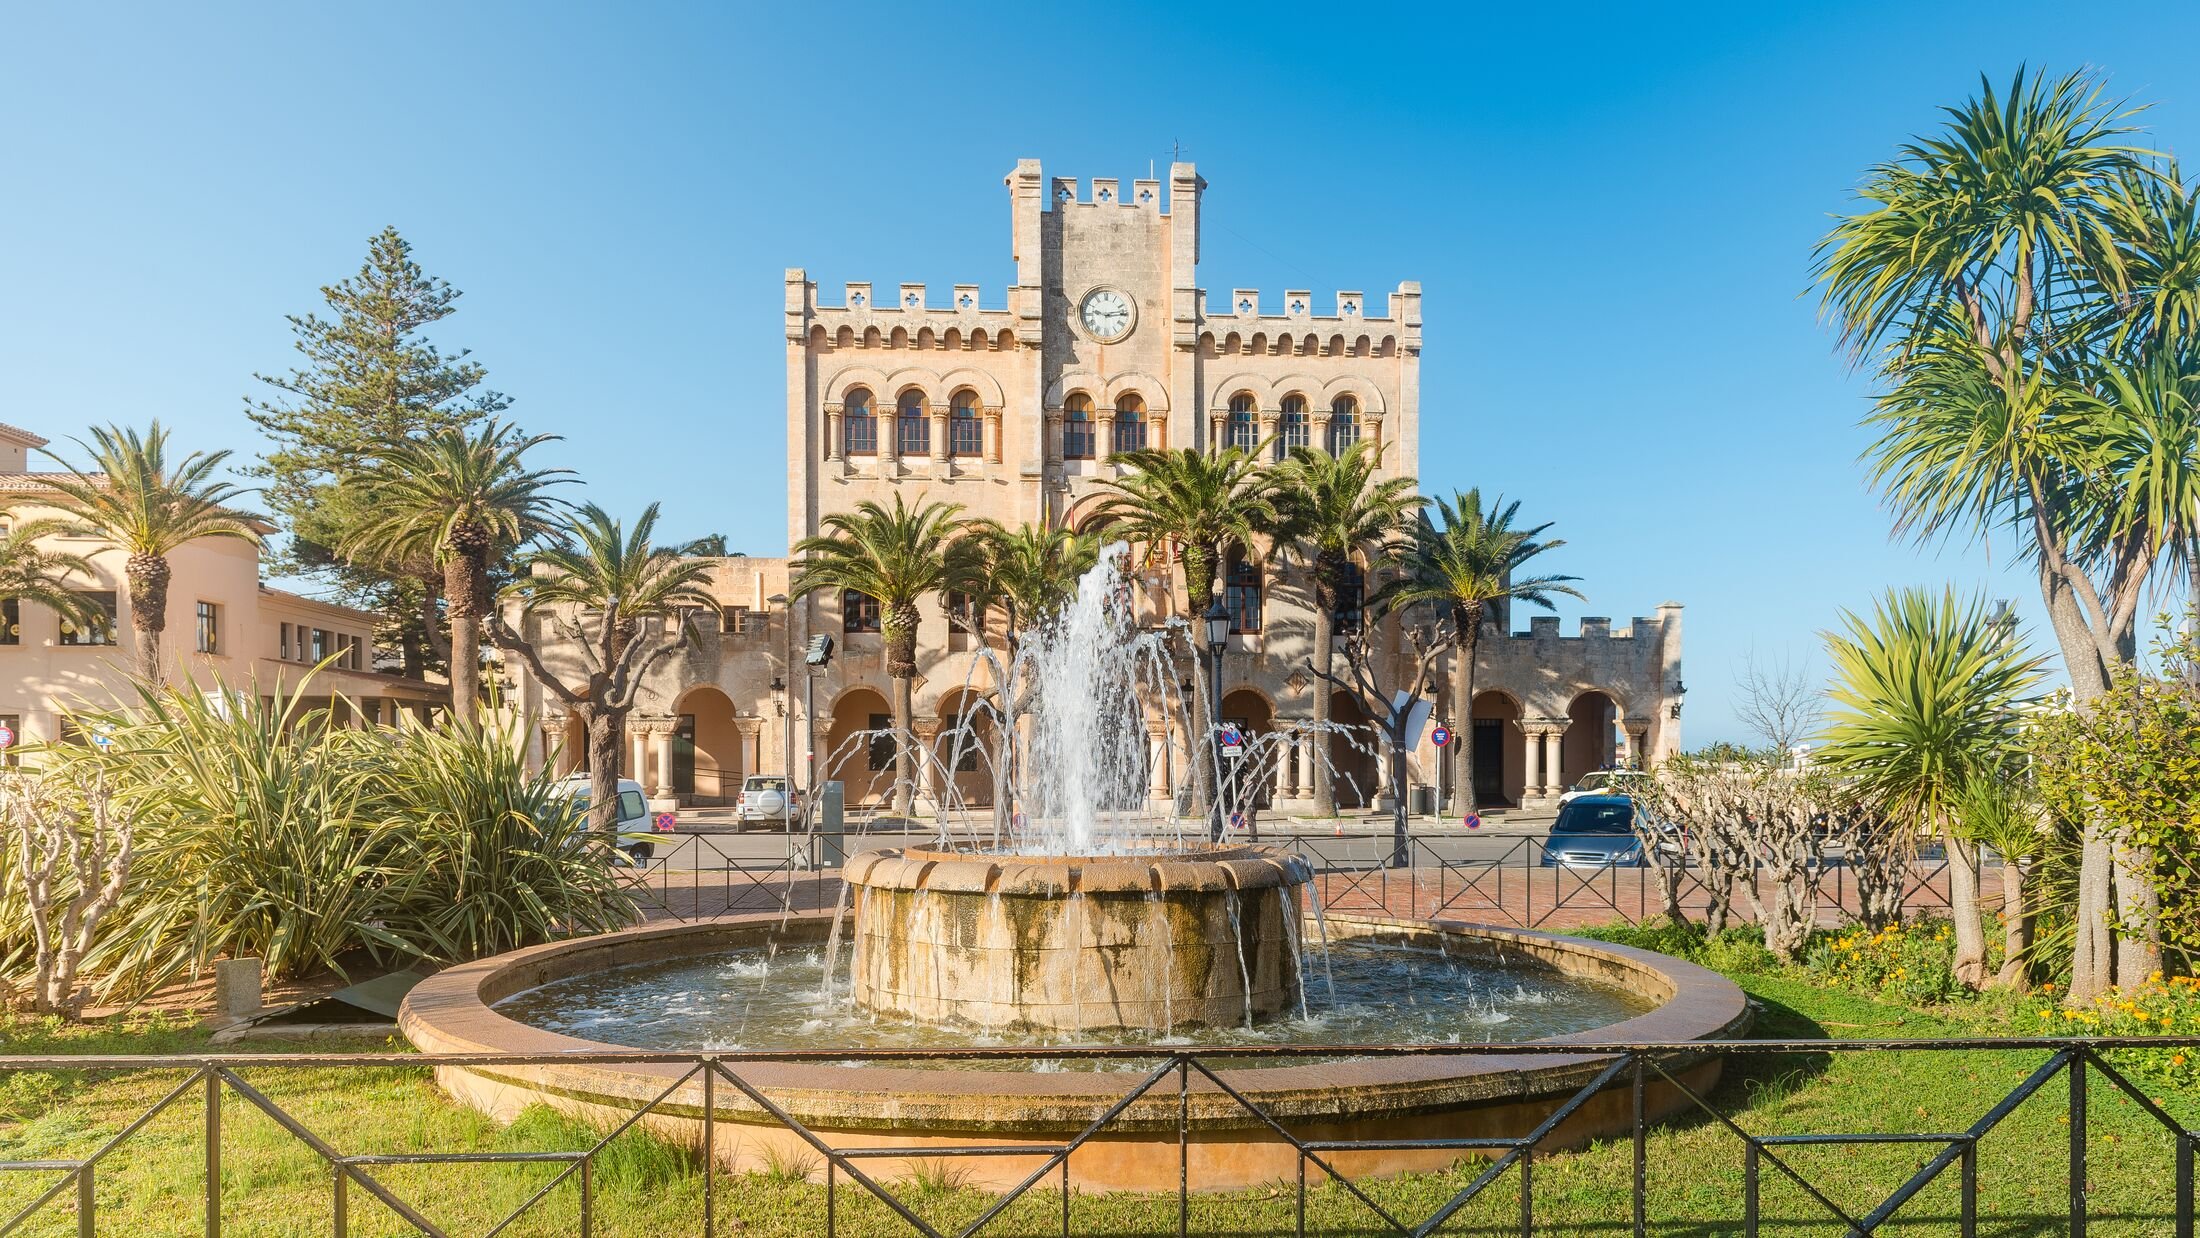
[1106,341]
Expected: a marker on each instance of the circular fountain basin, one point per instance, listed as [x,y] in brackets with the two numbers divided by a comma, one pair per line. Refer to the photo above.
[1450,1092]
[1153,940]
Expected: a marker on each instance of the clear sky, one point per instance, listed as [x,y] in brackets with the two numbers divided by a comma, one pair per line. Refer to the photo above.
[1611,210]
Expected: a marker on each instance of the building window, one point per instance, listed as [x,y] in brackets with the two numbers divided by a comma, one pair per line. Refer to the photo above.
[1296,426]
[320,644]
[1241,594]
[858,426]
[1344,425]
[210,628]
[11,621]
[1244,430]
[1351,598]
[101,633]
[964,614]
[912,429]
[734,621]
[858,612]
[882,742]
[353,657]
[1130,424]
[965,432]
[1077,428]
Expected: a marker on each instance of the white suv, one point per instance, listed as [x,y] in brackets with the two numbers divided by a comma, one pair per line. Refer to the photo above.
[634,825]
[767,799]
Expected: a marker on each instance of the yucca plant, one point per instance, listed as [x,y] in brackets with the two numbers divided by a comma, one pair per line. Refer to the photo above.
[250,838]
[494,855]
[1926,696]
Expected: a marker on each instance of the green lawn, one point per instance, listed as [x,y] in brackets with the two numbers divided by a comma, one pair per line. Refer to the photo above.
[274,1185]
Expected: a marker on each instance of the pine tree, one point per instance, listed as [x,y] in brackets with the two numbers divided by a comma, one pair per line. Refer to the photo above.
[369,378]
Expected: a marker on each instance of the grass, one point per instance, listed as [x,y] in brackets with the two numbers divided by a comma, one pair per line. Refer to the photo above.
[275,1185]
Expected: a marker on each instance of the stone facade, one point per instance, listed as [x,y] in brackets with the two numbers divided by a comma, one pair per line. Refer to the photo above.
[1105,341]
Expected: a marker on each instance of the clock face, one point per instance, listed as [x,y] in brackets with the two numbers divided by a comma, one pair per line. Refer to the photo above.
[1106,313]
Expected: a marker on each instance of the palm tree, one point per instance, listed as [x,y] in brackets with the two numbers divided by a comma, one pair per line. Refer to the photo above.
[1030,571]
[462,500]
[895,556]
[1993,267]
[31,573]
[1202,506]
[1343,516]
[1469,564]
[1926,696]
[601,584]
[135,499]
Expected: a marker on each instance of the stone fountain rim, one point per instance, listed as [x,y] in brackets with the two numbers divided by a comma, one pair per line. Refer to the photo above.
[451,1012]
[1177,869]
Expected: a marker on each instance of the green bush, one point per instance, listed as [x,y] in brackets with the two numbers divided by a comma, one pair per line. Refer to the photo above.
[1910,962]
[267,829]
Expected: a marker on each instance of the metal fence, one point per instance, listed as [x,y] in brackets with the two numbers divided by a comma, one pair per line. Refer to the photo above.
[218,1083]
[1504,882]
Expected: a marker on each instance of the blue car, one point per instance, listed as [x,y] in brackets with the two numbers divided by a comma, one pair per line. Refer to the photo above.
[1595,831]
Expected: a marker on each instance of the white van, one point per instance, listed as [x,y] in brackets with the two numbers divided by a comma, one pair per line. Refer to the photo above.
[634,825]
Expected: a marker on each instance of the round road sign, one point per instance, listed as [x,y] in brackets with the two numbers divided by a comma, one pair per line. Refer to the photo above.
[1441,736]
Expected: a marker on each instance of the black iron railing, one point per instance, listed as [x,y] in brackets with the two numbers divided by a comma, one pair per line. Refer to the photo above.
[218,1081]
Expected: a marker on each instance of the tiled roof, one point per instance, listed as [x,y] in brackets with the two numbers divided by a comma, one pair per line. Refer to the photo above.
[36,481]
[21,435]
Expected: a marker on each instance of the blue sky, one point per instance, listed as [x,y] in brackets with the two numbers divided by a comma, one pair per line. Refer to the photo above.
[1611,210]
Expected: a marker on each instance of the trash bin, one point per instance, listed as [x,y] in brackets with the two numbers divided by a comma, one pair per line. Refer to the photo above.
[1421,801]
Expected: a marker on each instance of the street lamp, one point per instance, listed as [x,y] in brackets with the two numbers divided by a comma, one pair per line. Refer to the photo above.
[1218,638]
[785,701]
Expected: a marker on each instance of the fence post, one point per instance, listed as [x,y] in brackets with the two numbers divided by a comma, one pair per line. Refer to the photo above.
[1642,1156]
[2076,1071]
[213,1153]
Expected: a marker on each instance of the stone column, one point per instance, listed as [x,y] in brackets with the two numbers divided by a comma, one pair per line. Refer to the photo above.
[1554,773]
[889,444]
[931,784]
[553,739]
[1157,431]
[1287,754]
[1157,763]
[1638,744]
[993,434]
[1531,785]
[1270,420]
[1373,423]
[662,738]
[1214,430]
[752,749]
[938,416]
[1050,447]
[637,752]
[832,431]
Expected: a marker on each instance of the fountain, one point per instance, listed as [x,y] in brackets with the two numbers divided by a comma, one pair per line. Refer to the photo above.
[1081,912]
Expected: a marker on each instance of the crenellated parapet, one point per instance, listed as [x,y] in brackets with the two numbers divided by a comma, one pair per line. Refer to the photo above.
[1243,324]
[905,316]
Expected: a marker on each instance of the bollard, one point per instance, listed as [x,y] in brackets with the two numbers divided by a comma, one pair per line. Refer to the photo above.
[237,987]
[832,851]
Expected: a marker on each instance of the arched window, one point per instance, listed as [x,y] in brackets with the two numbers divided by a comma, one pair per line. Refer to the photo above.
[1243,432]
[1077,428]
[858,428]
[1344,425]
[1130,424]
[965,433]
[1296,427]
[1241,593]
[912,429]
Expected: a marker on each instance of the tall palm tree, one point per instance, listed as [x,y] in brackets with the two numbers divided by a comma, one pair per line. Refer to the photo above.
[601,584]
[1343,516]
[133,497]
[1926,695]
[32,573]
[1466,566]
[895,556]
[1030,571]
[464,500]
[1199,506]
[2009,253]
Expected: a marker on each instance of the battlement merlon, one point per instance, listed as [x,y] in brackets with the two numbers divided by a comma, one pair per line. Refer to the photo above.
[1598,628]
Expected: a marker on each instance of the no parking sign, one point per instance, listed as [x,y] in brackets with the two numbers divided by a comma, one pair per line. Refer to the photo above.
[1441,736]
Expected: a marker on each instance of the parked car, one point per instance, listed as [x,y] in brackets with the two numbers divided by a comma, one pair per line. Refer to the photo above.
[634,825]
[1605,782]
[1595,831]
[768,799]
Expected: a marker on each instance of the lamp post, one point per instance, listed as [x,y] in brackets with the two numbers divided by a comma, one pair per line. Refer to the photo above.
[786,708]
[1218,639]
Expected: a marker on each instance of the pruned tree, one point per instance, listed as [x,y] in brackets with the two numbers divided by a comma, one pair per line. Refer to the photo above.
[1704,802]
[1782,827]
[1392,705]
[72,843]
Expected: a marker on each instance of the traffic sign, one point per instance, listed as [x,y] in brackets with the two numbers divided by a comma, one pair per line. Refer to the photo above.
[1233,741]
[1473,820]
[7,736]
[1441,736]
[1237,820]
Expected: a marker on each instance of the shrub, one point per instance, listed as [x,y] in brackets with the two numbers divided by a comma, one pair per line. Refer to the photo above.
[2158,1007]
[1912,962]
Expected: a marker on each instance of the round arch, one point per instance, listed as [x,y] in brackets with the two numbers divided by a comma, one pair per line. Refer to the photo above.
[1500,749]
[1145,386]
[1589,744]
[863,764]
[1262,390]
[987,386]
[838,386]
[965,743]
[1370,396]
[1355,762]
[709,756]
